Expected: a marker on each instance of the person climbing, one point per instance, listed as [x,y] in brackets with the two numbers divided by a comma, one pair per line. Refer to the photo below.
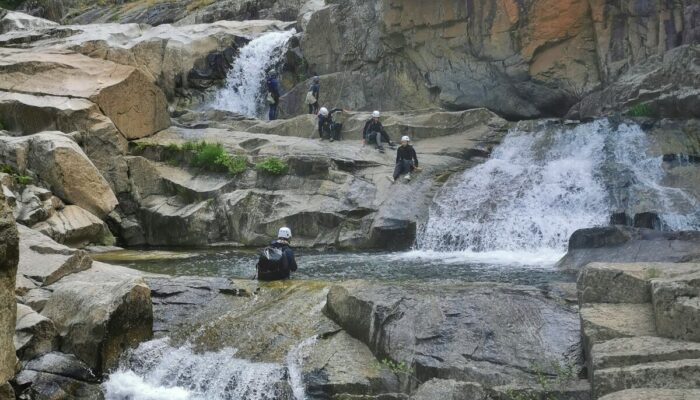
[406,160]
[273,94]
[312,95]
[327,128]
[374,132]
[276,261]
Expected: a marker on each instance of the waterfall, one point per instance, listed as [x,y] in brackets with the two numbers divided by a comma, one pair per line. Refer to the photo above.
[156,370]
[537,188]
[244,92]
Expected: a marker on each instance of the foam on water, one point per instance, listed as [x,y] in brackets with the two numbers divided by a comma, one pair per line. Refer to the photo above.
[244,92]
[158,371]
[523,204]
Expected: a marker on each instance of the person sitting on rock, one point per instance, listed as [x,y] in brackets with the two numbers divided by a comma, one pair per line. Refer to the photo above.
[327,128]
[276,262]
[312,95]
[273,94]
[374,132]
[406,160]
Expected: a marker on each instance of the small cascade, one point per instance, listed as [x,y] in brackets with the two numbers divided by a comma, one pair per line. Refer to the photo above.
[539,187]
[294,362]
[157,370]
[244,92]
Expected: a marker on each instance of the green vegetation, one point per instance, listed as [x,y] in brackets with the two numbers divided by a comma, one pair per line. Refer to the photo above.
[397,367]
[10,4]
[7,169]
[207,156]
[24,179]
[653,273]
[640,110]
[272,165]
[546,383]
[19,178]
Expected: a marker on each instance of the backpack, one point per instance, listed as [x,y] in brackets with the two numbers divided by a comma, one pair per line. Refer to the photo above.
[272,264]
[310,98]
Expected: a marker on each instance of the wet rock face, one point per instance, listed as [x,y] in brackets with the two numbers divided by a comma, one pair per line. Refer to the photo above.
[477,333]
[9,256]
[627,244]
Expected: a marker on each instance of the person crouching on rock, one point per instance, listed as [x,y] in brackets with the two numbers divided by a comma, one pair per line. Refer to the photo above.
[327,128]
[406,160]
[374,132]
[276,261]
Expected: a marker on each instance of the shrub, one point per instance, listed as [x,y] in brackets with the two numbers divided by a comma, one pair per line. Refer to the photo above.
[210,156]
[272,165]
[23,179]
[234,165]
[7,169]
[640,110]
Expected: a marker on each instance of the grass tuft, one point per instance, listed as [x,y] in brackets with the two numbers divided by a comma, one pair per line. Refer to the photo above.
[640,110]
[272,165]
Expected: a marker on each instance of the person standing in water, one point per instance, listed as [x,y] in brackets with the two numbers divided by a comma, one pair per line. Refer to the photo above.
[276,261]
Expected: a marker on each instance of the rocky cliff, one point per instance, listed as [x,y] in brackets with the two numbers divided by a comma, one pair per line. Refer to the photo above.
[9,254]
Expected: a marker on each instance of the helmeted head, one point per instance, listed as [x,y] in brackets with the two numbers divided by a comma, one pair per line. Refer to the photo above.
[376,114]
[273,72]
[285,233]
[405,140]
[323,111]
[317,79]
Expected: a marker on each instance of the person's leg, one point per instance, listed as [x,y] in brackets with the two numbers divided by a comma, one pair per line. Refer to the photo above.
[378,140]
[386,138]
[398,170]
[273,112]
[311,108]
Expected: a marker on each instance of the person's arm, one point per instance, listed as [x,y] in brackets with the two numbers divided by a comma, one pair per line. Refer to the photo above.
[364,131]
[315,91]
[398,155]
[335,110]
[292,261]
[415,156]
[320,124]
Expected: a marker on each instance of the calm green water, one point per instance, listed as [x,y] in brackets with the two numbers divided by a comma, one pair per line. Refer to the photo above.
[408,266]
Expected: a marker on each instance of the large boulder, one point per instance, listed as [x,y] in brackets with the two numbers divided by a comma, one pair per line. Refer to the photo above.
[25,114]
[16,21]
[625,244]
[663,86]
[65,168]
[428,329]
[34,334]
[99,313]
[75,227]
[124,94]
[676,303]
[9,255]
[44,261]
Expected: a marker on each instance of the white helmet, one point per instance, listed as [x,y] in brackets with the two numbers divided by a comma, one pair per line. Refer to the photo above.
[405,139]
[285,233]
[323,111]
[375,114]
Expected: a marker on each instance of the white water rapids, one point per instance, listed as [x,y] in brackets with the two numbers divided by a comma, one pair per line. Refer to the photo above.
[245,85]
[158,371]
[536,189]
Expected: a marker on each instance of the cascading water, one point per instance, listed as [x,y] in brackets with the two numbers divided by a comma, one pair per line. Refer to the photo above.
[156,370]
[244,92]
[538,188]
